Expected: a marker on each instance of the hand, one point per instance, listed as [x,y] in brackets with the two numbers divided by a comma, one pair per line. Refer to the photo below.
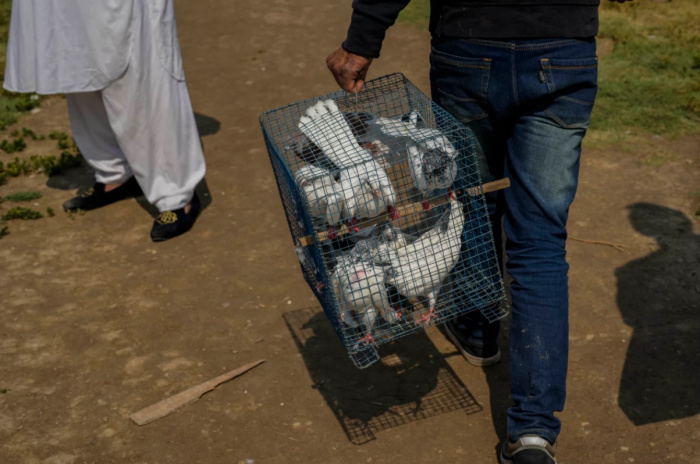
[348,69]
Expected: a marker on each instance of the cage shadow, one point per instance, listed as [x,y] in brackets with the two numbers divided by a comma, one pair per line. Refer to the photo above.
[411,382]
[658,298]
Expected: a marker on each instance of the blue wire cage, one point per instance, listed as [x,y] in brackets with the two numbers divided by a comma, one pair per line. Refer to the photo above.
[386,209]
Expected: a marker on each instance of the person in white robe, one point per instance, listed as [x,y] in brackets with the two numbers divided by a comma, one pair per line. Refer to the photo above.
[119,64]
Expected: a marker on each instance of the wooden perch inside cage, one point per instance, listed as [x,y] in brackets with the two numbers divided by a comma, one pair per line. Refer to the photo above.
[409,214]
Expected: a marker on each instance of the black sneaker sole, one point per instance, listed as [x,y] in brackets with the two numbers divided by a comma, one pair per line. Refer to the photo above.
[471,359]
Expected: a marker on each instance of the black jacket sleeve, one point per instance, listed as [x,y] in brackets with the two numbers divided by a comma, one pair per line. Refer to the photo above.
[370,20]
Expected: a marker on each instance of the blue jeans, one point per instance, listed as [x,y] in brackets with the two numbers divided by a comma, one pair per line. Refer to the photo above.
[528,103]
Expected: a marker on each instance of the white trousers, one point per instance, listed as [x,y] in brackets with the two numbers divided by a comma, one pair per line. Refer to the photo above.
[142,125]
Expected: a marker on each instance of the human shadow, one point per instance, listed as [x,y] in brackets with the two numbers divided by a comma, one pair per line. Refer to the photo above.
[206,125]
[411,381]
[659,297]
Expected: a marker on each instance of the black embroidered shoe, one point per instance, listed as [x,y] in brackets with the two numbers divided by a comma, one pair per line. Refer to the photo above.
[529,449]
[170,224]
[96,197]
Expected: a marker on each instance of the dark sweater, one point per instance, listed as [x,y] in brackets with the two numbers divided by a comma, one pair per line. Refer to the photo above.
[482,19]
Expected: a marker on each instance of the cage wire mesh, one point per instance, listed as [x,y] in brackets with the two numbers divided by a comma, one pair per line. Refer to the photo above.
[385,205]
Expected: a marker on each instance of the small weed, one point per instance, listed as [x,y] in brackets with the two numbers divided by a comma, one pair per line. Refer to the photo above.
[30,133]
[49,212]
[58,135]
[49,165]
[24,214]
[22,196]
[14,146]
[3,390]
[4,231]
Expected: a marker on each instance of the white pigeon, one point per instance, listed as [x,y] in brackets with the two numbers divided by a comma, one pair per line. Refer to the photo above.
[383,239]
[328,129]
[323,194]
[368,192]
[431,156]
[364,184]
[360,289]
[419,269]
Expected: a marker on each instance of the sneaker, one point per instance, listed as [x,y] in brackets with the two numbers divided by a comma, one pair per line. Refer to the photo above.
[170,224]
[529,449]
[96,196]
[484,354]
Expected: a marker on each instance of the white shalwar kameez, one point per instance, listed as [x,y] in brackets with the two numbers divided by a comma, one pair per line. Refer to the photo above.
[119,63]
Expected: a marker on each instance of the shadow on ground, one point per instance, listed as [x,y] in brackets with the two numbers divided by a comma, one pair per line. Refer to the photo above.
[659,297]
[412,381]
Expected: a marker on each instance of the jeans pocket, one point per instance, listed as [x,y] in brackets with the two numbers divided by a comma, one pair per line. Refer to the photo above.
[572,85]
[460,84]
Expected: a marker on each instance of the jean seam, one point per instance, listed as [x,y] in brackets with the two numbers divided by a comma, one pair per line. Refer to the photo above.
[515,46]
[514,77]
[559,43]
[576,100]
[590,66]
[436,55]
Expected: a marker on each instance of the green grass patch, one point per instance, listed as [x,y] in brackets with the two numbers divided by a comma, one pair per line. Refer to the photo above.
[417,13]
[14,146]
[22,196]
[22,213]
[27,133]
[3,232]
[48,164]
[650,82]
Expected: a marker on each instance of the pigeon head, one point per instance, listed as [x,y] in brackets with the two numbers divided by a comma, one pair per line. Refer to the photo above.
[439,167]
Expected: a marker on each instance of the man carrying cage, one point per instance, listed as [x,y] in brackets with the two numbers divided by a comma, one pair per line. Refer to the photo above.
[522,74]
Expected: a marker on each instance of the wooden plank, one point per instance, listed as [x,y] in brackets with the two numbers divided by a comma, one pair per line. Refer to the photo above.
[409,214]
[169,405]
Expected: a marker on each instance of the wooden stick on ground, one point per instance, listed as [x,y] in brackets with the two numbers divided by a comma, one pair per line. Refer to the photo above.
[168,405]
[617,246]
[408,213]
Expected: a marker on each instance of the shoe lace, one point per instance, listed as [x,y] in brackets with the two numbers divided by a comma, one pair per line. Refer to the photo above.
[87,193]
[166,217]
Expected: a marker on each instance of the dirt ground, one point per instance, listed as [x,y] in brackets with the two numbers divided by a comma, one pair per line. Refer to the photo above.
[96,321]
